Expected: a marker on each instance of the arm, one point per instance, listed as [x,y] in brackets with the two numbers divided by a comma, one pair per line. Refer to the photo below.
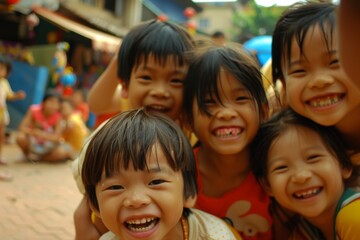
[84,228]
[349,38]
[104,96]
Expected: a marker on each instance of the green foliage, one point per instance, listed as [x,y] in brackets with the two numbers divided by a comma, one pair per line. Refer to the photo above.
[254,20]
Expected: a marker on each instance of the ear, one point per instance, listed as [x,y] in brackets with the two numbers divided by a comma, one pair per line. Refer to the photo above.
[94,210]
[190,202]
[265,185]
[346,173]
[124,91]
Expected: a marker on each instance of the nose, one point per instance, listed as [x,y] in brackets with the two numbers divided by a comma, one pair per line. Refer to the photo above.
[226,113]
[321,79]
[160,90]
[136,199]
[301,176]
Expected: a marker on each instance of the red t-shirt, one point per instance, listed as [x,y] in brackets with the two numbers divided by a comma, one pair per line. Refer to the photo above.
[245,207]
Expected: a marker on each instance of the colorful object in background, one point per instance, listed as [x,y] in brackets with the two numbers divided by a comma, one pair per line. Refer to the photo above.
[32,21]
[59,61]
[7,5]
[190,12]
[63,75]
[67,80]
[163,18]
[261,47]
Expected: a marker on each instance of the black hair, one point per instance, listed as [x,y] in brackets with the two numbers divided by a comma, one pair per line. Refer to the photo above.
[296,22]
[279,123]
[218,34]
[6,61]
[204,71]
[159,39]
[51,93]
[127,138]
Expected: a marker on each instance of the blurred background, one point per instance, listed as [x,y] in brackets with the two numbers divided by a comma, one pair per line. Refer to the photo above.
[77,38]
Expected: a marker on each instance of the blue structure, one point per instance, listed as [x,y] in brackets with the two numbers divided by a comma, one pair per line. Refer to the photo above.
[262,46]
[33,80]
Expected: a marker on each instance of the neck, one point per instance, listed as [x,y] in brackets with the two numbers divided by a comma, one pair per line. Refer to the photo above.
[225,165]
[325,222]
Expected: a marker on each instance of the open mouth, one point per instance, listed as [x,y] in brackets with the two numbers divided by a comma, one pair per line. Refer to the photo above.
[141,225]
[326,101]
[157,108]
[307,194]
[227,132]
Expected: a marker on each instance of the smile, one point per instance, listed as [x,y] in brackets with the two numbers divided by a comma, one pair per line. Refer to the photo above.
[308,193]
[227,132]
[141,225]
[326,101]
[157,108]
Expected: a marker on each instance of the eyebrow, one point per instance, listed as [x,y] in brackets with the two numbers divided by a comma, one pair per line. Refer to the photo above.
[159,169]
[146,67]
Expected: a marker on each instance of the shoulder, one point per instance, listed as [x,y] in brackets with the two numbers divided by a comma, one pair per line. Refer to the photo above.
[109,236]
[206,226]
[348,218]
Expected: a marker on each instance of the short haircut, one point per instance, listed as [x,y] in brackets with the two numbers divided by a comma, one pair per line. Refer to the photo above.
[159,39]
[271,130]
[296,22]
[218,34]
[204,71]
[7,62]
[128,138]
[51,93]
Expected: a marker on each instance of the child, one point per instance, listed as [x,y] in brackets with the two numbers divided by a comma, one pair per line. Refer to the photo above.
[303,165]
[78,100]
[40,131]
[151,68]
[305,58]
[225,102]
[140,175]
[6,93]
[75,131]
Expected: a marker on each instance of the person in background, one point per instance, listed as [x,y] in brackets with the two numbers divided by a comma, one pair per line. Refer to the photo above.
[218,38]
[75,131]
[6,93]
[39,133]
[78,100]
[140,175]
[305,166]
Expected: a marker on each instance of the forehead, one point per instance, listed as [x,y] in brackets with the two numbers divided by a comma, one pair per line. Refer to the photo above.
[167,62]
[312,40]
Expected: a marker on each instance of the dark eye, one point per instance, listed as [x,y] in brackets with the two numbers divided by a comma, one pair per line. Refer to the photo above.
[177,81]
[145,77]
[242,98]
[313,158]
[334,62]
[115,187]
[156,182]
[280,168]
[297,72]
[210,101]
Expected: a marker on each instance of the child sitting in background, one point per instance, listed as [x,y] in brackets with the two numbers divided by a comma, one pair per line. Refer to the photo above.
[78,100]
[75,131]
[140,175]
[40,131]
[304,165]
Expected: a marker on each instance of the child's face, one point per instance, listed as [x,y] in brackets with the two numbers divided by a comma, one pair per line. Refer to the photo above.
[51,105]
[66,109]
[303,175]
[144,203]
[232,125]
[3,71]
[156,87]
[316,85]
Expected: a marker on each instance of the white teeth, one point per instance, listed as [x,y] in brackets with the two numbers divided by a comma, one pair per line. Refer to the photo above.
[307,194]
[228,132]
[157,107]
[323,102]
[140,221]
